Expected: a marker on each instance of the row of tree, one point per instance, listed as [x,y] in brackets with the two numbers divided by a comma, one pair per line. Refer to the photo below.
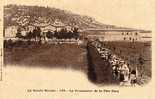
[63,34]
[37,34]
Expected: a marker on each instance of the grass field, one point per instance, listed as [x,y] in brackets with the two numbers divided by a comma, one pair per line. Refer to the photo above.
[74,56]
[48,55]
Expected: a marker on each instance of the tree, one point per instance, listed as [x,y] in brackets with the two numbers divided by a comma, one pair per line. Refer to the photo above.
[55,34]
[34,33]
[49,35]
[19,34]
[29,36]
[76,33]
[37,33]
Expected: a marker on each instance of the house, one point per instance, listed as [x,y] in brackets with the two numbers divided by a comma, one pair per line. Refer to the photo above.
[10,31]
[47,28]
[58,25]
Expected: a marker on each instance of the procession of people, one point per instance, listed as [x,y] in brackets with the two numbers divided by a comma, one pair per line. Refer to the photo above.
[121,70]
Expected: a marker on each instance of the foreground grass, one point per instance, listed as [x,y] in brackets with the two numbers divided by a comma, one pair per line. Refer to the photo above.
[75,57]
[48,55]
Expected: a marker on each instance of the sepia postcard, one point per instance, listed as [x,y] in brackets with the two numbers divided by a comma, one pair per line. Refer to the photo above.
[62,49]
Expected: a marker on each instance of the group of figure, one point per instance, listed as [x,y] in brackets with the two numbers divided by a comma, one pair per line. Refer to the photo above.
[120,69]
[122,72]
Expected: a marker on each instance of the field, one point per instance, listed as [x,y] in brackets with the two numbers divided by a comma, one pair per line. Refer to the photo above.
[48,55]
[73,56]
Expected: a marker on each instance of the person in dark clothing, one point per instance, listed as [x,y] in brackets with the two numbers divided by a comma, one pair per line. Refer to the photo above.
[133,72]
[133,77]
[121,77]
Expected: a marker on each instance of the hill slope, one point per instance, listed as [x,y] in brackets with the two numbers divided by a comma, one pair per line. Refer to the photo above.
[26,15]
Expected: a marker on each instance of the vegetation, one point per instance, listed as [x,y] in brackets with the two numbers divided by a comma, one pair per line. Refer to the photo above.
[69,56]
[63,34]
[38,35]
[15,15]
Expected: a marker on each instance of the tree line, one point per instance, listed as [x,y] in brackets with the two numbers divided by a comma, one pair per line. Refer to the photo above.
[38,35]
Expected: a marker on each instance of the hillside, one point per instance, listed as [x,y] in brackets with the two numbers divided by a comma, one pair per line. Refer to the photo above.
[35,15]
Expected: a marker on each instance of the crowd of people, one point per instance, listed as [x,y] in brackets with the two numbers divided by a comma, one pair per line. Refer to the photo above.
[121,70]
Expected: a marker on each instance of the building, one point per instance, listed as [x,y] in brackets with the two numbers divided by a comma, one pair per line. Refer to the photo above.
[107,34]
[10,31]
[146,36]
[129,35]
[47,28]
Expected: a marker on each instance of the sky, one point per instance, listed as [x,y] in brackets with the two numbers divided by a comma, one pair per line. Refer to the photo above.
[127,13]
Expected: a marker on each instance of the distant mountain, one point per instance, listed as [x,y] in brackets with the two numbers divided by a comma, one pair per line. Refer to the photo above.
[19,15]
